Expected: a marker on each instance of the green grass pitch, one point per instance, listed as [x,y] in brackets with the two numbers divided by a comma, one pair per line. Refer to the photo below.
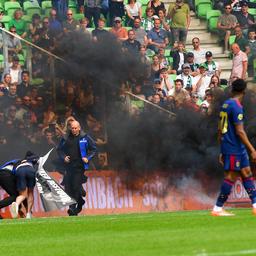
[154,234]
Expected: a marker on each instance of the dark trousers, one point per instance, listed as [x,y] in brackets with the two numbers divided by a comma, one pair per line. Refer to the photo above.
[73,180]
[8,183]
[116,9]
[94,13]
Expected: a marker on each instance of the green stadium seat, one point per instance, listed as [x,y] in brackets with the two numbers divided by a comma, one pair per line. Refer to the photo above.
[167,52]
[143,10]
[252,11]
[202,9]
[21,59]
[46,7]
[1,61]
[197,2]
[232,39]
[10,7]
[144,2]
[6,19]
[172,77]
[72,6]
[78,16]
[212,19]
[31,8]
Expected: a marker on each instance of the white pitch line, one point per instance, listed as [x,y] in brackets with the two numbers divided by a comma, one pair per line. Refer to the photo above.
[242,252]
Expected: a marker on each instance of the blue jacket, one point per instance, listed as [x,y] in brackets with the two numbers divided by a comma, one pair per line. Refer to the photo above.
[11,162]
[87,148]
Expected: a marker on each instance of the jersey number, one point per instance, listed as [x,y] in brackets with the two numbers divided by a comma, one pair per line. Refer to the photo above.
[223,122]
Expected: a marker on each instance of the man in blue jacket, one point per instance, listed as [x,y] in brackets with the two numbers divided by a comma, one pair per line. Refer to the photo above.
[76,150]
[8,183]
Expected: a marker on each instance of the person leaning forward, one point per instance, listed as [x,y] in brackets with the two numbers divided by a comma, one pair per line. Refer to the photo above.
[76,150]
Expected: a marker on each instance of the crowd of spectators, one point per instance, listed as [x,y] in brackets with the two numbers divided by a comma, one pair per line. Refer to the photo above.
[181,78]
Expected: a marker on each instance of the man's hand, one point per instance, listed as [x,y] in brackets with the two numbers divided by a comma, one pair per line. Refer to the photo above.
[253,156]
[67,159]
[85,160]
[221,159]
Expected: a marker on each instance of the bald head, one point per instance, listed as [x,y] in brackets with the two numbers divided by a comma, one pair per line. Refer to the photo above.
[75,128]
[235,48]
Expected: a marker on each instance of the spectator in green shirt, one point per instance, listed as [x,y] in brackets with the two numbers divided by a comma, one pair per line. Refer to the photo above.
[241,41]
[179,13]
[18,23]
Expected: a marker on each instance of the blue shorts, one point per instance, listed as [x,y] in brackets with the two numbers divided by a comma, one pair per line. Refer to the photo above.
[235,162]
[26,177]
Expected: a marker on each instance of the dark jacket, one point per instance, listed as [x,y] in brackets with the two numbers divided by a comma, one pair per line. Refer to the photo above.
[176,61]
[87,148]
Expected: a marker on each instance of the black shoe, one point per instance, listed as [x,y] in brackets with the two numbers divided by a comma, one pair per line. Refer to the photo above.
[80,206]
[72,212]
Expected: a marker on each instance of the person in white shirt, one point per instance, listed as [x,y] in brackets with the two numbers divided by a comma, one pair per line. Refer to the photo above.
[213,67]
[187,78]
[202,81]
[199,54]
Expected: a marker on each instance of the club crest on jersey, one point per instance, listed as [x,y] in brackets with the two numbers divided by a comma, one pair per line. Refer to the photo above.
[240,117]
[237,163]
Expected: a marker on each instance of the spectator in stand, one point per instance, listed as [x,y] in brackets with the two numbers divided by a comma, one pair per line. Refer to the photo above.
[245,19]
[49,116]
[15,70]
[9,98]
[179,13]
[148,21]
[240,62]
[35,25]
[55,26]
[70,24]
[164,63]
[157,89]
[187,79]
[226,25]
[214,82]
[166,83]
[80,6]
[13,43]
[155,68]
[193,66]
[179,58]
[118,31]
[241,40]
[205,106]
[46,39]
[133,11]
[83,26]
[18,23]
[213,67]
[143,57]
[202,81]
[165,23]
[116,9]
[140,33]
[99,33]
[156,5]
[131,45]
[24,88]
[157,37]
[93,10]
[199,54]
[6,81]
[180,95]
[61,7]
[252,53]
